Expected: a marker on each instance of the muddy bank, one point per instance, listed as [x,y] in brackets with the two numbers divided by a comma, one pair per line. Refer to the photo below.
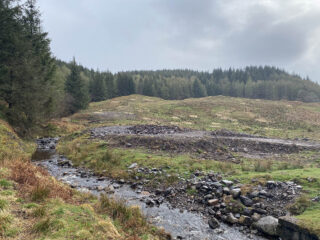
[217,145]
[157,207]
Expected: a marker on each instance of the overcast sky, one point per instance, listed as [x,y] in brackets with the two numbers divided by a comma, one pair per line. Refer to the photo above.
[121,35]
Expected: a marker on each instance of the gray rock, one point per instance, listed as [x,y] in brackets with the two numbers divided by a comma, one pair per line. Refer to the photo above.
[246,201]
[267,225]
[226,190]
[271,184]
[236,192]
[133,165]
[213,223]
[109,189]
[227,182]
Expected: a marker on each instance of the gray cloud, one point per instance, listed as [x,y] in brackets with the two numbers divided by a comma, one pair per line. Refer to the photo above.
[154,34]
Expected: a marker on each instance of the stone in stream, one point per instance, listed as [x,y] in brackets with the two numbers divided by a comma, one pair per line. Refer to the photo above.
[236,192]
[109,189]
[226,190]
[246,201]
[256,217]
[213,202]
[267,225]
[245,220]
[231,219]
[213,223]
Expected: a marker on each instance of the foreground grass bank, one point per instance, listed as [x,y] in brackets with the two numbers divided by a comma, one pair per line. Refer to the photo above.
[33,205]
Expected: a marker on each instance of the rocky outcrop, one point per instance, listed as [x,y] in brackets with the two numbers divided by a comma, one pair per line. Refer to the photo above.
[289,229]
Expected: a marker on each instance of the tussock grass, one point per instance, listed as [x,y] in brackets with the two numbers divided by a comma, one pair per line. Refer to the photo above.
[301,205]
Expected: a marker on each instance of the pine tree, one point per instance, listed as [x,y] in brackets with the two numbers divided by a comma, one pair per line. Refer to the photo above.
[76,89]
[198,89]
[27,66]
[98,89]
[125,84]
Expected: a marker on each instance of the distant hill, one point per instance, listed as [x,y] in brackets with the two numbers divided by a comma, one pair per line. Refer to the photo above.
[251,82]
[257,82]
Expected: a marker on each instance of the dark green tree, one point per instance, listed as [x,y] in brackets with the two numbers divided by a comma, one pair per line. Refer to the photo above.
[125,84]
[98,88]
[76,89]
[198,89]
[27,66]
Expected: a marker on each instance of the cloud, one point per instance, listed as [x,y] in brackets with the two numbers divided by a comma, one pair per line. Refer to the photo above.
[153,34]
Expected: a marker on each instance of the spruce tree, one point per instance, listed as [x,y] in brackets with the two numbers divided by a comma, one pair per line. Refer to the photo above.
[27,66]
[98,89]
[198,89]
[76,89]
[125,84]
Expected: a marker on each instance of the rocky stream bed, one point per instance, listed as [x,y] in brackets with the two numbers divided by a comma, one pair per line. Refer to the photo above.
[217,209]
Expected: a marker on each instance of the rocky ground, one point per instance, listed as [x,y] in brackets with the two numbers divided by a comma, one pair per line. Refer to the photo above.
[218,145]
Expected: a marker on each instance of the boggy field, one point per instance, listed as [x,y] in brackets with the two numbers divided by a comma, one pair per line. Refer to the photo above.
[268,149]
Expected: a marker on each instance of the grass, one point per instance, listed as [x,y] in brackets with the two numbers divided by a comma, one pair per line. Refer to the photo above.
[282,119]
[33,205]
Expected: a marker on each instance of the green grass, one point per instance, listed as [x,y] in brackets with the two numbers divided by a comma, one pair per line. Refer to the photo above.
[282,119]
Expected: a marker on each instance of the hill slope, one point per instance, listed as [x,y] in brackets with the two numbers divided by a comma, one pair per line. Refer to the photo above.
[284,119]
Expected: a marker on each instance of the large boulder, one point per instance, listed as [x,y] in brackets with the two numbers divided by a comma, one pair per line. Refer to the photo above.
[267,225]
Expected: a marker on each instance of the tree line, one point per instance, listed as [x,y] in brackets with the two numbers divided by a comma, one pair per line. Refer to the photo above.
[35,87]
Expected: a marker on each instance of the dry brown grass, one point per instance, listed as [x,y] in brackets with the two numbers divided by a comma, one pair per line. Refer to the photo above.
[33,180]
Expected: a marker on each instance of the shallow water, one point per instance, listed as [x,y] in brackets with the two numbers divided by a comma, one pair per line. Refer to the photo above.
[181,225]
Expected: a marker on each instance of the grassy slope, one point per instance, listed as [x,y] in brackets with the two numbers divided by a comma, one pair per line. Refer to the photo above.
[35,206]
[282,119]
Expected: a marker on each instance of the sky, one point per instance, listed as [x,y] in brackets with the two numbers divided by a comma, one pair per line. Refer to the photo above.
[120,35]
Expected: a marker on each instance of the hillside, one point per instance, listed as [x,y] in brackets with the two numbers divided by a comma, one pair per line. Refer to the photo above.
[283,119]
[109,151]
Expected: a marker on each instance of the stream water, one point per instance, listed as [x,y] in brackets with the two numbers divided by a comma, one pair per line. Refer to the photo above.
[180,224]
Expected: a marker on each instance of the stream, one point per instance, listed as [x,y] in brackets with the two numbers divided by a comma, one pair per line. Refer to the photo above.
[180,224]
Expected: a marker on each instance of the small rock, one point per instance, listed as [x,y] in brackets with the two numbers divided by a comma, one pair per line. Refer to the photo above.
[236,193]
[109,189]
[271,184]
[213,202]
[256,217]
[231,219]
[227,182]
[133,165]
[226,190]
[245,220]
[213,223]
[246,201]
